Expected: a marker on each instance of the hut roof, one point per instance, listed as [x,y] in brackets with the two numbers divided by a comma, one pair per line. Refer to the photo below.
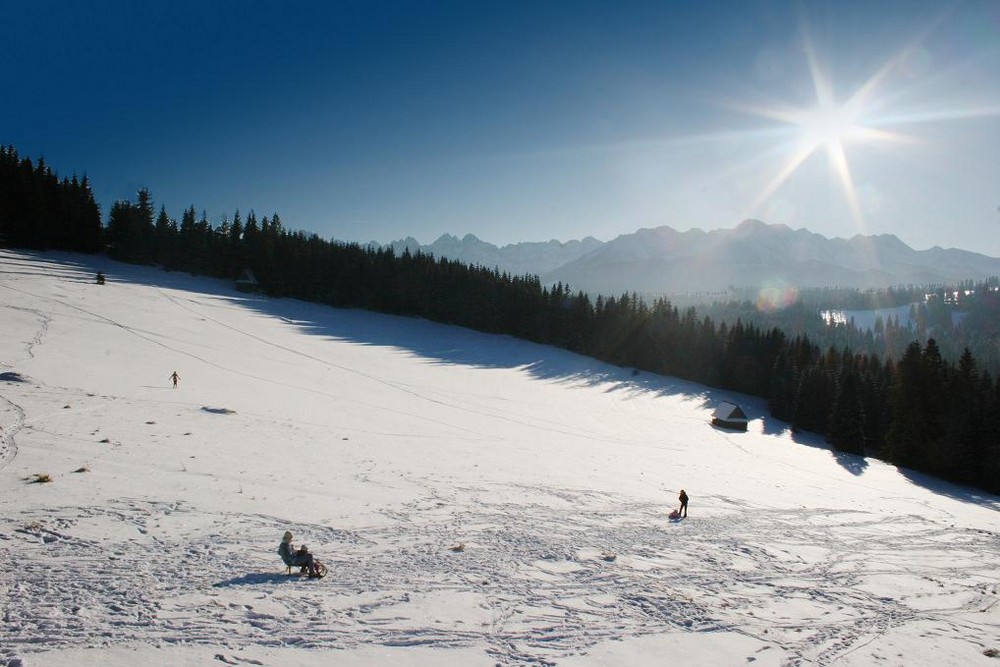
[729,412]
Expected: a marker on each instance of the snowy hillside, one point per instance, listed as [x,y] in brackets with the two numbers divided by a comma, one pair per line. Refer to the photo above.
[479,500]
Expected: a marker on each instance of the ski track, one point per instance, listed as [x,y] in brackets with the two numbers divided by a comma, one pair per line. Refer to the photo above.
[421,394]
[36,340]
[11,414]
[156,338]
[534,583]
[11,421]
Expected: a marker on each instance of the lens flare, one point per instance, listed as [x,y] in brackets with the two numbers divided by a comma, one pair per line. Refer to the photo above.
[834,125]
[773,299]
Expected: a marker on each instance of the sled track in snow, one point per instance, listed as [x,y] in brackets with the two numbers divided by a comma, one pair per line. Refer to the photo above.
[11,421]
[11,415]
[530,583]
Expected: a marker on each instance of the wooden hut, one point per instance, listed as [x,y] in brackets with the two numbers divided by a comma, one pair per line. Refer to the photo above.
[730,415]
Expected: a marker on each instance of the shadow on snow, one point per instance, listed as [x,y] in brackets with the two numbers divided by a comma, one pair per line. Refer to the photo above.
[253,578]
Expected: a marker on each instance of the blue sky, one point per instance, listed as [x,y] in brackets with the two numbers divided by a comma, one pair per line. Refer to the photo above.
[522,121]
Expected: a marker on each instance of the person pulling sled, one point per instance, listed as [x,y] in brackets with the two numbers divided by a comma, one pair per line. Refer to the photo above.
[682,511]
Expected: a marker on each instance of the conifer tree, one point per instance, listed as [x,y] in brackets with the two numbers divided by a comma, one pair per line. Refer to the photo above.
[845,426]
[907,438]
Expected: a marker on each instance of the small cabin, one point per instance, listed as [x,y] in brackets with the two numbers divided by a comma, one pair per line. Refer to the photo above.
[730,415]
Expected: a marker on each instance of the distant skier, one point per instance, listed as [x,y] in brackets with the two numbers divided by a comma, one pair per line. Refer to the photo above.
[175,377]
[684,504]
[100,278]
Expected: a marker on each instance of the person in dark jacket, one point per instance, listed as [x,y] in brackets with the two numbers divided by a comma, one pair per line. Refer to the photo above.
[296,557]
[684,503]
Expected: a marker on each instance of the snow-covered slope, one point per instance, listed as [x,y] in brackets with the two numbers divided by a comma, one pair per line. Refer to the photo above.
[480,500]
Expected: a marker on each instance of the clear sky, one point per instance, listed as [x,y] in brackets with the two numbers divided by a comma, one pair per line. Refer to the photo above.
[522,121]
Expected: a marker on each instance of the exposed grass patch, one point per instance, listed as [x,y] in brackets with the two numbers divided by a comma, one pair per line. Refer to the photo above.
[39,478]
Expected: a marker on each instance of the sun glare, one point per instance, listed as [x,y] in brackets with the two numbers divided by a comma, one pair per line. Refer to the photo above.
[829,127]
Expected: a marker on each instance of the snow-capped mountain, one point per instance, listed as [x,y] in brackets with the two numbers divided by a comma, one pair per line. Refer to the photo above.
[753,254]
[517,258]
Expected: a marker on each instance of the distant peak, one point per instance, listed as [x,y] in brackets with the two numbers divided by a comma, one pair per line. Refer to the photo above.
[882,240]
[662,230]
[753,225]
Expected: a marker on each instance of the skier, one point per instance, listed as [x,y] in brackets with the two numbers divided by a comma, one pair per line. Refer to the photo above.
[299,558]
[683,497]
[175,377]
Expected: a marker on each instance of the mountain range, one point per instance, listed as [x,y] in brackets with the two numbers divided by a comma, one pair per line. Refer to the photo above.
[751,255]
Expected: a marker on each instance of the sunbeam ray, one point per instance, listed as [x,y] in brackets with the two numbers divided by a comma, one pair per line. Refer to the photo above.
[830,125]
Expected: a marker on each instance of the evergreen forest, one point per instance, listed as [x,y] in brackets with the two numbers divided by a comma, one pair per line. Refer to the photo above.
[895,393]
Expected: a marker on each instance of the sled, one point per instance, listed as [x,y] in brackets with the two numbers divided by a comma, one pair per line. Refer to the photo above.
[321,570]
[674,515]
[304,570]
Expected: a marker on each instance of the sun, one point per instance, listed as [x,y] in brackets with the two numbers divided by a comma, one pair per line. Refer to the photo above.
[830,126]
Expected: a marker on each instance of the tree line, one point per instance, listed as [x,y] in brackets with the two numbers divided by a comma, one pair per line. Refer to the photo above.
[919,411]
[39,211]
[959,317]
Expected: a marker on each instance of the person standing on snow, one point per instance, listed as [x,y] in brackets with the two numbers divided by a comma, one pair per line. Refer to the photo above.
[175,377]
[684,503]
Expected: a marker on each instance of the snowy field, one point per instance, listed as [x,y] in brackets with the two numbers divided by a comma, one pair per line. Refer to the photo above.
[479,500]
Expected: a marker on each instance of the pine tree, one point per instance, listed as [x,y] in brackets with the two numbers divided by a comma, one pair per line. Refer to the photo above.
[165,237]
[965,421]
[905,438]
[845,427]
